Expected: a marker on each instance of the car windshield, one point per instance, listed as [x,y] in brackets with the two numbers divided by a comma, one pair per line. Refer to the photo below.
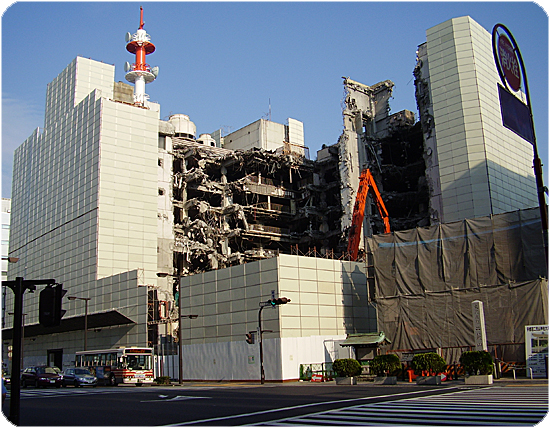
[82,372]
[47,370]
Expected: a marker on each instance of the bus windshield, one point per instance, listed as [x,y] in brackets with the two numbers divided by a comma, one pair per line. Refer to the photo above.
[138,362]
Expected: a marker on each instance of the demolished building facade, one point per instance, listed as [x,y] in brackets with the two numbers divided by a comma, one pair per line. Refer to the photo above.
[221,202]
[232,206]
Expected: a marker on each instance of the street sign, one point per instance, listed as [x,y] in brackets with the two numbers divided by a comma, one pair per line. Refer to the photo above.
[509,62]
[316,377]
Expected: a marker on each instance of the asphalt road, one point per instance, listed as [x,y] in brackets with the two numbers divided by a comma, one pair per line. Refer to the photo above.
[205,404]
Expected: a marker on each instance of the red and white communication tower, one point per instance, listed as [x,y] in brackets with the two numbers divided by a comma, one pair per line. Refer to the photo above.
[140,72]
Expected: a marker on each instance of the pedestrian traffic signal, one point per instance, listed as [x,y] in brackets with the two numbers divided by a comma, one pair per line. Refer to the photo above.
[279,301]
[250,338]
[50,310]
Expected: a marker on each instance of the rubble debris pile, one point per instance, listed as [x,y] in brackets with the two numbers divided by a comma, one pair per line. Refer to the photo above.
[403,177]
[231,207]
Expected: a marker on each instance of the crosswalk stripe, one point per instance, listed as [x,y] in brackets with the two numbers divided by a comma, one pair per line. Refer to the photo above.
[43,393]
[485,406]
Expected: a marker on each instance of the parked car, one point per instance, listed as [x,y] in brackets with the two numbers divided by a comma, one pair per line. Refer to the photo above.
[79,376]
[41,376]
[6,376]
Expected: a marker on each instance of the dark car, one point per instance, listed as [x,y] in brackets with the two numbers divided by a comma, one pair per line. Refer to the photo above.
[79,376]
[41,376]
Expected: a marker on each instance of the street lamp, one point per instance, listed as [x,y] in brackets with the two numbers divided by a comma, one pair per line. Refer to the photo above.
[180,344]
[86,299]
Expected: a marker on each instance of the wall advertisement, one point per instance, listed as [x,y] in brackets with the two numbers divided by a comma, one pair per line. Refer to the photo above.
[536,349]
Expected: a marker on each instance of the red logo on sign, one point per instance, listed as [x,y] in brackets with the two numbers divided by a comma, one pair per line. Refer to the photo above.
[509,62]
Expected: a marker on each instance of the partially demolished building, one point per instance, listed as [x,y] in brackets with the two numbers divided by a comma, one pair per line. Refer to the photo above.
[205,213]
[392,147]
[235,206]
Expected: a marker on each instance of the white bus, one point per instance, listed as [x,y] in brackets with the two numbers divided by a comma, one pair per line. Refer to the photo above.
[131,365]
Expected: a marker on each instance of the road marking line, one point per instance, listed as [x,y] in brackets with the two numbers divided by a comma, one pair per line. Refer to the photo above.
[301,407]
[176,398]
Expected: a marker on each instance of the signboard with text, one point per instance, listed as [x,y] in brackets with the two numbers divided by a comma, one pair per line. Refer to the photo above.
[515,109]
[536,349]
[480,336]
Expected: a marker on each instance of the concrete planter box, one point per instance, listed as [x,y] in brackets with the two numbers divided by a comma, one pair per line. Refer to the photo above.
[385,380]
[428,380]
[346,380]
[479,380]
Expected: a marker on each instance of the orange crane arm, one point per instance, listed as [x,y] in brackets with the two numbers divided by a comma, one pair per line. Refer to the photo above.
[366,183]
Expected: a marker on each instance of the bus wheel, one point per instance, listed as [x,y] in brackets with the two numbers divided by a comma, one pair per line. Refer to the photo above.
[112,380]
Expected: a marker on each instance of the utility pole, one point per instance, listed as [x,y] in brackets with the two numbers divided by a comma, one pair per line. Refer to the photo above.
[19,286]
[262,374]
[22,337]
[180,345]
[272,303]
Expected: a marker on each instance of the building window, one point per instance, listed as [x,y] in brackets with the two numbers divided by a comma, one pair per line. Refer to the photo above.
[160,162]
[162,142]
[161,191]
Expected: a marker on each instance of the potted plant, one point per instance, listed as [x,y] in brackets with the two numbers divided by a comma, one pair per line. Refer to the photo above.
[346,369]
[478,366]
[383,366]
[429,365]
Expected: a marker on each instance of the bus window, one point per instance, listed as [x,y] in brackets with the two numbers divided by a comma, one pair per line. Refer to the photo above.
[138,362]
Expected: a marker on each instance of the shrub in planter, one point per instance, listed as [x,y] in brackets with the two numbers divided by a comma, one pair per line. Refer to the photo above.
[346,367]
[429,362]
[163,380]
[477,362]
[385,364]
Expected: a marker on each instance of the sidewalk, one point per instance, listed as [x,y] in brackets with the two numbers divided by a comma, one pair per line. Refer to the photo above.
[507,381]
[520,381]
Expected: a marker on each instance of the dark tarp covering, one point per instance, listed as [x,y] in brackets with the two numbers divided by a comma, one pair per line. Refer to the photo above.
[427,278]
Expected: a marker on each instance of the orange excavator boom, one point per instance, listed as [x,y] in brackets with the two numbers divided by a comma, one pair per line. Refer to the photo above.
[366,183]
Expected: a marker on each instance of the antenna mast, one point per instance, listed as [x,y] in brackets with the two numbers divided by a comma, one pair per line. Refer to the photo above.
[140,73]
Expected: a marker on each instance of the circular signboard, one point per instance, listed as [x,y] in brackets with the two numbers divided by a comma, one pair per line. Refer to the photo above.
[509,62]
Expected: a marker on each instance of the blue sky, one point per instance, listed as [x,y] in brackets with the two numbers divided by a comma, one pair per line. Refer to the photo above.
[224,63]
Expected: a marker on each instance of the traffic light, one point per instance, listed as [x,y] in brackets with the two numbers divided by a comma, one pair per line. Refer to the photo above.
[279,301]
[50,311]
[250,338]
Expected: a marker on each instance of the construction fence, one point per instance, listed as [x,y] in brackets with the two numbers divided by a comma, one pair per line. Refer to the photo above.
[427,278]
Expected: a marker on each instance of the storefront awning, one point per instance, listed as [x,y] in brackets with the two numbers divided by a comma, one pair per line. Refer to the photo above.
[366,339]
[97,320]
